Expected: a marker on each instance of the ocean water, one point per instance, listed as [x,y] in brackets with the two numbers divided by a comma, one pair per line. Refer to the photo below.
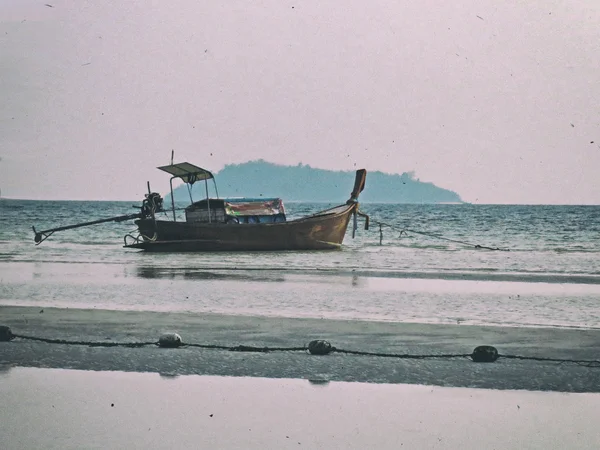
[549,275]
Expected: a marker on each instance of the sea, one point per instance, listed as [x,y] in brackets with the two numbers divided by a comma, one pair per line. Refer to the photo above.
[423,263]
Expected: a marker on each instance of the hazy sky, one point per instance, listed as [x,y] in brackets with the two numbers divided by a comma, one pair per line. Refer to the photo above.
[499,101]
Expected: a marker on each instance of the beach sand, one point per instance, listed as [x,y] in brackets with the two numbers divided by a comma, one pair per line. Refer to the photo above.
[134,326]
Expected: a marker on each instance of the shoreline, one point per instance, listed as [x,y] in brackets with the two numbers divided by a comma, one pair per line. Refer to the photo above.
[154,284]
[5,303]
[233,330]
[485,276]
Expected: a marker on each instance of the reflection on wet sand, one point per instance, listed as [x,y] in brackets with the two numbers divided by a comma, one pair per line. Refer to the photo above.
[179,273]
[71,409]
[168,376]
[249,290]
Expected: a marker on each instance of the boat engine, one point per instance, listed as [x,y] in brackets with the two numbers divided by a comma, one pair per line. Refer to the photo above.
[153,203]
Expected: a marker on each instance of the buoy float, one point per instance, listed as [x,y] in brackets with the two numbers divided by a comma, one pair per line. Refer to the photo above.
[319,347]
[484,353]
[5,334]
[170,340]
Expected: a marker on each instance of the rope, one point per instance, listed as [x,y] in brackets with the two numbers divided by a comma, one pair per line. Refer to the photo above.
[89,344]
[437,236]
[249,348]
[238,348]
[401,355]
[254,349]
[581,362]
[245,348]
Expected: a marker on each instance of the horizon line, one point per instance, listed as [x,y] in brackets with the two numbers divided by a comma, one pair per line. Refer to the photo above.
[323,202]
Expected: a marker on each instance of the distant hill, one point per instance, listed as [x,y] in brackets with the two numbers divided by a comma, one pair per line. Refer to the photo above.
[304,183]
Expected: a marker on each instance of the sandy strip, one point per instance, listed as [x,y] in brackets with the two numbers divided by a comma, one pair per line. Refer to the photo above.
[132,326]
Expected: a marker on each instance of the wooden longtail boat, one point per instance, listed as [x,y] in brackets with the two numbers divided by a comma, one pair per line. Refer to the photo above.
[231,224]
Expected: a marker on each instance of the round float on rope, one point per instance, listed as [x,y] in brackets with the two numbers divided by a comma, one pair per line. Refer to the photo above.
[170,340]
[319,347]
[5,334]
[484,353]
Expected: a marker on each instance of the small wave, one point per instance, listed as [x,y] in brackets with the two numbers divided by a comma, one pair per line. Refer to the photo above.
[90,243]
[575,250]
[72,261]
[369,246]
[553,250]
[526,324]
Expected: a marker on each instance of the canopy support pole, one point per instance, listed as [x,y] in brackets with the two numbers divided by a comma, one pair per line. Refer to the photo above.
[172,201]
[216,190]
[207,200]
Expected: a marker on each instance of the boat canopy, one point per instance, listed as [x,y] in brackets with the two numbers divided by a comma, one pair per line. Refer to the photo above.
[189,173]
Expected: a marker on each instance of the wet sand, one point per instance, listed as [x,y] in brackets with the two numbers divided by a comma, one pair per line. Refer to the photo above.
[66,409]
[189,285]
[135,326]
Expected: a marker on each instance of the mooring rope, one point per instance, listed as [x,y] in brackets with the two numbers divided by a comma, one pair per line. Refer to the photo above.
[316,347]
[87,343]
[243,348]
[437,236]
[581,362]
[237,348]
[402,355]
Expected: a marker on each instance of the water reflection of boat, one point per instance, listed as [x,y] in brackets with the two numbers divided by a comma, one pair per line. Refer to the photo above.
[170,273]
[230,224]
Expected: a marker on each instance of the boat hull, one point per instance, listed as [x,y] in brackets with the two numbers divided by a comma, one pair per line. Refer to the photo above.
[322,231]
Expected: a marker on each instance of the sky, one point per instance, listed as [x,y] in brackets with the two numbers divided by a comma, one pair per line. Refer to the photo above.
[498,101]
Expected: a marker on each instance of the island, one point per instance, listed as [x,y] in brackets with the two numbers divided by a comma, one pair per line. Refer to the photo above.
[303,183]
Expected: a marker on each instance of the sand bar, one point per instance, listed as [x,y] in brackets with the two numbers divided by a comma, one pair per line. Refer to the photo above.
[135,326]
